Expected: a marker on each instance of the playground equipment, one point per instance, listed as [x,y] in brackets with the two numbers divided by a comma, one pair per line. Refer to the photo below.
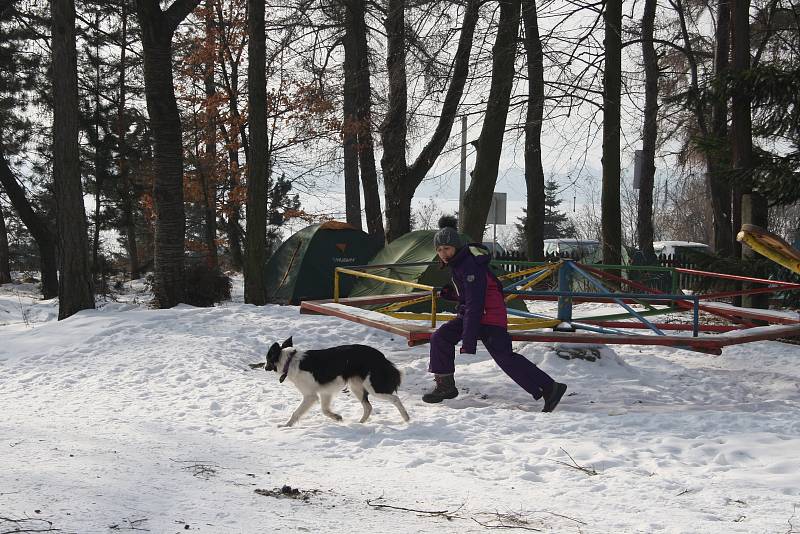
[771,246]
[743,325]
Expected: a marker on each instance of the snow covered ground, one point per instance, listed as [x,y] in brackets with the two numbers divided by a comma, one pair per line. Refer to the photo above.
[127,419]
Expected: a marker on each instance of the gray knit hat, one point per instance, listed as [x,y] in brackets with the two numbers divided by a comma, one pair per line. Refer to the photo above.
[448,235]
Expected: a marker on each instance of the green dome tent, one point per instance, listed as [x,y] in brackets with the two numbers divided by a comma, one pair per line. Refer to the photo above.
[302,268]
[413,247]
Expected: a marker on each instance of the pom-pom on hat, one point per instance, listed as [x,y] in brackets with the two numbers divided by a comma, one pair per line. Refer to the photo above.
[448,235]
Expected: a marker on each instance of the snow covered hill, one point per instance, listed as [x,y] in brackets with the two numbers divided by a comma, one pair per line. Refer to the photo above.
[132,419]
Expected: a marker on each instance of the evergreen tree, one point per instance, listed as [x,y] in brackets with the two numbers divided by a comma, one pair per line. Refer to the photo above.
[556,223]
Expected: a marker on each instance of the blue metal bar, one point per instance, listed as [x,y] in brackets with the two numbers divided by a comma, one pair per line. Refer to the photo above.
[696,317]
[565,286]
[582,326]
[616,299]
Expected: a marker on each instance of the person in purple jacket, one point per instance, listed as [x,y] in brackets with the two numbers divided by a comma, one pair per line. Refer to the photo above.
[481,315]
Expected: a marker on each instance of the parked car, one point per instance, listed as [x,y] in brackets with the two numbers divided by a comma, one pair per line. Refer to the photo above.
[678,248]
[575,248]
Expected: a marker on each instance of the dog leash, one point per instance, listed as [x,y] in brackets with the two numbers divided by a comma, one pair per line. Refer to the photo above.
[286,367]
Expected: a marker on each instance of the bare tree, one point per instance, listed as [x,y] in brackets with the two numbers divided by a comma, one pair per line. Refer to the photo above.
[754,206]
[258,158]
[649,134]
[612,88]
[478,197]
[158,28]
[5,266]
[400,179]
[534,173]
[75,291]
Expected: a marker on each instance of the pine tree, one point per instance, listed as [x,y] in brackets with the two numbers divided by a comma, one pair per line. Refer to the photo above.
[556,223]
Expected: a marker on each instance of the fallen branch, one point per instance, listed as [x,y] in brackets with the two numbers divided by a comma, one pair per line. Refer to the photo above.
[441,513]
[19,527]
[574,465]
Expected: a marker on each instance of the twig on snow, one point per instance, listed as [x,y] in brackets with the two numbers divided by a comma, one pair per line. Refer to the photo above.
[574,465]
[441,513]
[20,527]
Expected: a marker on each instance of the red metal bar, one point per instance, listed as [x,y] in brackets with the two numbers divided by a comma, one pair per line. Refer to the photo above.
[315,307]
[750,291]
[662,326]
[760,334]
[681,304]
[732,277]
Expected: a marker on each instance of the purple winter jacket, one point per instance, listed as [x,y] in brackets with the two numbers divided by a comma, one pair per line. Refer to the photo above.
[478,291]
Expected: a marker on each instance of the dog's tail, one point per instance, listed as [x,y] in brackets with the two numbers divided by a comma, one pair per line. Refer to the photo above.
[385,378]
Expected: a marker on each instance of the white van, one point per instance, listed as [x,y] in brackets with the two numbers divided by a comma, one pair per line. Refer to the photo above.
[673,248]
[579,248]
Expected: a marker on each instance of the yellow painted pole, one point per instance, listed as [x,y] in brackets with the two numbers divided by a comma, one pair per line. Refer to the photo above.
[433,308]
[336,285]
[383,279]
[775,255]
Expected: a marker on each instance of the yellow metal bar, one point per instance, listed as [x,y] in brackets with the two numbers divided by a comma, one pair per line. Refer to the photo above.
[775,255]
[399,305]
[383,279]
[543,276]
[526,272]
[336,285]
[433,308]
[538,323]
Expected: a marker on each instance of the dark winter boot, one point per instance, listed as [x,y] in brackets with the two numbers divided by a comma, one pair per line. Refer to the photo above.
[552,396]
[445,389]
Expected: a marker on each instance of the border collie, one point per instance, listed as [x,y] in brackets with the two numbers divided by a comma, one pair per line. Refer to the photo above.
[323,373]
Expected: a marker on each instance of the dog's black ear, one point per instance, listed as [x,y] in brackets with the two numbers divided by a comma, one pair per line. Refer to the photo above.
[274,350]
[287,343]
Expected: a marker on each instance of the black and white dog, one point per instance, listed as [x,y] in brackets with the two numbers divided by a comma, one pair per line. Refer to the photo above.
[323,373]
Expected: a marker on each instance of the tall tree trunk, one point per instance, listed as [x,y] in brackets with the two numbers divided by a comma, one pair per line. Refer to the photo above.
[478,197]
[5,264]
[75,291]
[401,181]
[611,218]
[37,225]
[366,149]
[717,162]
[255,253]
[128,190]
[754,206]
[210,156]
[644,221]
[350,126]
[99,165]
[534,173]
[158,28]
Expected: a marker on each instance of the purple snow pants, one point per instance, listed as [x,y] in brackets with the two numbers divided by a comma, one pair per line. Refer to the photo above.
[498,342]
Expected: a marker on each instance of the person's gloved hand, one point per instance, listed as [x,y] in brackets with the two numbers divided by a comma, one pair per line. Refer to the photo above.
[467,350]
[448,292]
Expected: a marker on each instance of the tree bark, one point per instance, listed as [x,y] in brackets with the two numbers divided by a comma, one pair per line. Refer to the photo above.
[366,149]
[75,291]
[128,190]
[534,173]
[158,28]
[350,126]
[754,206]
[644,221]
[401,181]
[478,197]
[5,265]
[210,156]
[717,163]
[257,160]
[611,218]
[37,225]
